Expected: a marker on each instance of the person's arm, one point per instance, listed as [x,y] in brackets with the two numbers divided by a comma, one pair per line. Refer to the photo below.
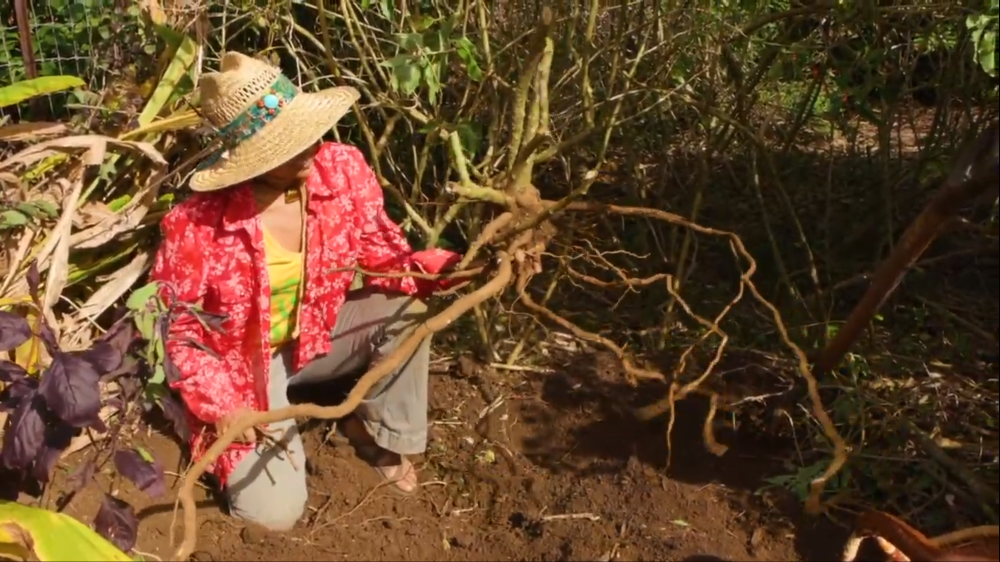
[179,270]
[384,248]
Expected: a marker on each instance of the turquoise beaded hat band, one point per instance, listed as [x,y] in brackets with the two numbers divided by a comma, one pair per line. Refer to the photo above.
[261,120]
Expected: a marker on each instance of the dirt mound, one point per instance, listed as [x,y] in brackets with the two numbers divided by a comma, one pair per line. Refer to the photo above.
[553,468]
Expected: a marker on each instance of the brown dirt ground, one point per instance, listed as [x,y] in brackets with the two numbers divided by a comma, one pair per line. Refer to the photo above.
[565,475]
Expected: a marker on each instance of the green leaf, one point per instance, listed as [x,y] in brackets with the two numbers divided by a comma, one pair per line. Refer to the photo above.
[27,209]
[410,42]
[146,323]
[48,208]
[146,455]
[988,53]
[466,51]
[27,89]
[471,134]
[10,219]
[139,297]
[177,80]
[159,375]
[405,74]
[432,77]
[387,7]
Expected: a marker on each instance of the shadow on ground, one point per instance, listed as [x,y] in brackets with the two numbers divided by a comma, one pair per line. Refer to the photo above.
[607,436]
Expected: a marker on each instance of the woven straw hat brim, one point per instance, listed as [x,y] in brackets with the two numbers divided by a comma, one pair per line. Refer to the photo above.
[301,123]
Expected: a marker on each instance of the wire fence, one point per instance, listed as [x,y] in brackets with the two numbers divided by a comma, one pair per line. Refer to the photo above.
[99,41]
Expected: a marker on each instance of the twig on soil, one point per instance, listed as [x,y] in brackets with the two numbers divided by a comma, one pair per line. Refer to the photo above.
[563,516]
[367,497]
[521,368]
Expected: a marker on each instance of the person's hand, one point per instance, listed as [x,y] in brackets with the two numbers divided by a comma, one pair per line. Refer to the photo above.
[248,436]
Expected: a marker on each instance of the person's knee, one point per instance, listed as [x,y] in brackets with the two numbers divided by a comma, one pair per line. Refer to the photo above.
[279,510]
[268,489]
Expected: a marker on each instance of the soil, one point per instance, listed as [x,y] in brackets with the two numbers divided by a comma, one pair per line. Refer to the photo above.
[563,473]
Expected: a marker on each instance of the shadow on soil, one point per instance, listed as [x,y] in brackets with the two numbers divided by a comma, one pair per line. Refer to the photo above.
[606,435]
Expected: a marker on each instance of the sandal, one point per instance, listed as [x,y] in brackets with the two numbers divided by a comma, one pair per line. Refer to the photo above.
[399,474]
[398,477]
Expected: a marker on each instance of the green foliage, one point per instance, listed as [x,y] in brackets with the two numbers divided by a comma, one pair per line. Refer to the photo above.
[22,213]
[74,37]
[426,55]
[43,85]
[984,37]
[147,309]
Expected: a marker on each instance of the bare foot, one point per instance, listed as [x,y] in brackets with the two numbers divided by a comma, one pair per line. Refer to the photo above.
[391,466]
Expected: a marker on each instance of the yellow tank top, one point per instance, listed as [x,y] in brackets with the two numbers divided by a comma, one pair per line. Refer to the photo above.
[284,270]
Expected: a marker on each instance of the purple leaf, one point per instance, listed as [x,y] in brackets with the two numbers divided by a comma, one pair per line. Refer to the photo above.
[26,433]
[103,356]
[116,521]
[173,374]
[13,393]
[70,388]
[11,372]
[49,339]
[174,412]
[128,369]
[14,331]
[120,335]
[130,387]
[57,438]
[46,460]
[146,474]
[34,279]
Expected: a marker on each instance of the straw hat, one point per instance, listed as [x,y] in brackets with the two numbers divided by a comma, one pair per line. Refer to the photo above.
[261,119]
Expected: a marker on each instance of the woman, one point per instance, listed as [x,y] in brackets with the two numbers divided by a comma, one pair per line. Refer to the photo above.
[268,243]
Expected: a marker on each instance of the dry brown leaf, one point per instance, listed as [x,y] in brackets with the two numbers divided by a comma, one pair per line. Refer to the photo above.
[117,285]
[23,245]
[20,132]
[11,179]
[126,220]
[96,152]
[91,213]
[43,150]
[58,241]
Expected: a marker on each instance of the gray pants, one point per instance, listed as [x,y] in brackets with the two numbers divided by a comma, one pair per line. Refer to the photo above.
[266,487]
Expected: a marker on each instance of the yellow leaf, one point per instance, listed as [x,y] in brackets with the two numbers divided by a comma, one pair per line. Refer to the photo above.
[155,11]
[43,535]
[29,354]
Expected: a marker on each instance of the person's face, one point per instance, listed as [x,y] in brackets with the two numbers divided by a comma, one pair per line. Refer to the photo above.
[295,170]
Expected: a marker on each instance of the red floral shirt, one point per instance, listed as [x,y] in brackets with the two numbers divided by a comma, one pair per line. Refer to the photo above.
[213,253]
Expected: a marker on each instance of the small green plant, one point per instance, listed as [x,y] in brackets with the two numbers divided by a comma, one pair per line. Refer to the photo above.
[984,36]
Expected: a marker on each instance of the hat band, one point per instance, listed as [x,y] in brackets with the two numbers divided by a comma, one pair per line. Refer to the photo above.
[253,119]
